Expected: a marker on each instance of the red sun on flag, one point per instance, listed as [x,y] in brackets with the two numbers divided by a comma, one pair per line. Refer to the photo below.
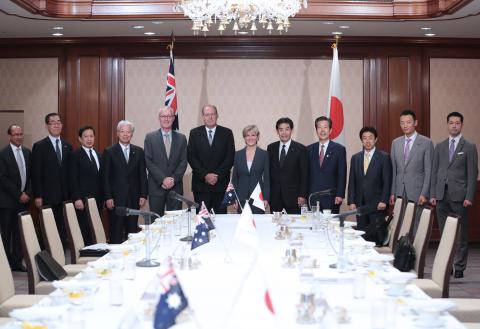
[336,114]
[268,302]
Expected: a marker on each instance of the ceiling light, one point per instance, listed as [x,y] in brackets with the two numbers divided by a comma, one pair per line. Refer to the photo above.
[426,28]
[57,34]
[344,27]
[337,33]
[430,34]
[241,13]
[242,32]
[57,28]
[328,23]
[149,33]
[157,22]
[138,27]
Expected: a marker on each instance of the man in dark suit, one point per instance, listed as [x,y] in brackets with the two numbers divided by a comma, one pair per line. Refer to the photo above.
[14,193]
[166,159]
[328,166]
[288,170]
[50,160]
[454,182]
[85,178]
[124,181]
[370,179]
[211,150]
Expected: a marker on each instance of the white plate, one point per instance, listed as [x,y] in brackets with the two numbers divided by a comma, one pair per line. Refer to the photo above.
[434,323]
[437,305]
[169,213]
[399,277]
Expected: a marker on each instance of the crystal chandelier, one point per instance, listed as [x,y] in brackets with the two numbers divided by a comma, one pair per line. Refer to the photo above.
[242,15]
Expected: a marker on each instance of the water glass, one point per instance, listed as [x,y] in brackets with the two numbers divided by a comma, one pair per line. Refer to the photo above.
[116,292]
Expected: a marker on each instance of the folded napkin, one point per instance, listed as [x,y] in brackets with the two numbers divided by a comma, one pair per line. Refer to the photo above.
[39,313]
[97,246]
[75,284]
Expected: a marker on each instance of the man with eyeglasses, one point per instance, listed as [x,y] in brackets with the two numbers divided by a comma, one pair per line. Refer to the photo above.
[50,159]
[211,150]
[166,160]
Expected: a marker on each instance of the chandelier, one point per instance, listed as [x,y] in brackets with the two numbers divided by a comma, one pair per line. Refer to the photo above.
[241,15]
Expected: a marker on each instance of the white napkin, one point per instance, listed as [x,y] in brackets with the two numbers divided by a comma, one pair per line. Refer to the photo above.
[97,246]
[38,313]
[75,284]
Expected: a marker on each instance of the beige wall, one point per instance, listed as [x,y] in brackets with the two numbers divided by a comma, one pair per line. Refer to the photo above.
[246,91]
[455,86]
[29,85]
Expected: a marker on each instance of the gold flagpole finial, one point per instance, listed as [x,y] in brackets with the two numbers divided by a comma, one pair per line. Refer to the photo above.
[172,43]
[337,39]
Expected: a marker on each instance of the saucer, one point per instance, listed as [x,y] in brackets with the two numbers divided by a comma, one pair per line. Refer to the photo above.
[437,322]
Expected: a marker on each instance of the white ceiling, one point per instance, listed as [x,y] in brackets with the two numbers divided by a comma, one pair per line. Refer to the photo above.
[16,22]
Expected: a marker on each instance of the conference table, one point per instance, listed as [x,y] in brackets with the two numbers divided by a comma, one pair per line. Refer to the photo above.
[226,282]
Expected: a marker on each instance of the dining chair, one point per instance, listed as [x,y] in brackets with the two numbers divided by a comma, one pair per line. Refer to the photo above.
[393,228]
[422,238]
[95,221]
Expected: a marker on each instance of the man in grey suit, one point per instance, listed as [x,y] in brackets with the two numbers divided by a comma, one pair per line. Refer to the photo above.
[454,181]
[411,156]
[166,159]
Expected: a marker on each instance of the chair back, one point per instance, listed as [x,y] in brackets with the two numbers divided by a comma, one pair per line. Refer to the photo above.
[422,238]
[442,264]
[31,247]
[95,221]
[395,223]
[406,227]
[7,287]
[51,237]
[73,231]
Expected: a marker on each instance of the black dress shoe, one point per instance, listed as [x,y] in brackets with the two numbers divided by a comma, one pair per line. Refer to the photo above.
[458,274]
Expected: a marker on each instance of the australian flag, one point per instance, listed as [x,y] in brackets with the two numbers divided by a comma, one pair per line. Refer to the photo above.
[229,197]
[200,235]
[171,94]
[204,215]
[172,301]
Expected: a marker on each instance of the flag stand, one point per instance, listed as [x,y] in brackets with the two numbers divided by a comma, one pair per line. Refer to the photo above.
[148,262]
[189,236]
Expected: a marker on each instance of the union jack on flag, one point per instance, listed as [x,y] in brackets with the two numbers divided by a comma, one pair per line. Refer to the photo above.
[171,94]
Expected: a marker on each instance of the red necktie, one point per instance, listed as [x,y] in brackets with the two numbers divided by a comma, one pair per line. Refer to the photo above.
[322,155]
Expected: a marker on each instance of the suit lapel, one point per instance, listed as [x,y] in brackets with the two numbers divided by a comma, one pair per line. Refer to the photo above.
[120,154]
[416,144]
[372,163]
[13,162]
[459,148]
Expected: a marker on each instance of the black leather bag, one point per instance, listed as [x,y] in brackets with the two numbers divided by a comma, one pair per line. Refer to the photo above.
[93,252]
[49,268]
[404,254]
[378,232]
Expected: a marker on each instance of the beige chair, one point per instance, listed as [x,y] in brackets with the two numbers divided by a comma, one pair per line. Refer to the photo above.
[95,221]
[30,249]
[74,235]
[8,299]
[438,285]
[422,238]
[406,227]
[467,310]
[53,244]
[393,228]
[471,325]
[4,321]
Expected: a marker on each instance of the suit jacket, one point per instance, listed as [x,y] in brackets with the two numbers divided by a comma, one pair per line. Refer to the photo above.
[460,174]
[289,182]
[244,180]
[85,178]
[160,166]
[414,175]
[332,174]
[124,182]
[49,177]
[374,186]
[205,159]
[10,181]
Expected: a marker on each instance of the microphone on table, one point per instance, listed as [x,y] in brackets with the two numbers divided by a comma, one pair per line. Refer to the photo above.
[363,210]
[124,211]
[329,191]
[179,197]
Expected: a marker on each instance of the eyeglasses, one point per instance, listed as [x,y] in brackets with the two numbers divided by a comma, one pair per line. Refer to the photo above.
[56,123]
[166,116]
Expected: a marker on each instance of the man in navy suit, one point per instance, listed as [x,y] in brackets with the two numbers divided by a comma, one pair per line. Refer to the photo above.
[85,179]
[370,179]
[124,181]
[210,150]
[328,166]
[15,193]
[288,170]
[50,160]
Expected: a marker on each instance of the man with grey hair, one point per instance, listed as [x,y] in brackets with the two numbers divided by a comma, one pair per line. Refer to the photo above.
[124,181]
[166,159]
[211,150]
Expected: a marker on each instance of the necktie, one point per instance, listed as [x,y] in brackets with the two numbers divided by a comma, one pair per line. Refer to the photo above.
[125,152]
[57,150]
[366,162]
[93,159]
[322,154]
[406,150]
[166,141]
[283,155]
[21,168]
[451,150]
[210,137]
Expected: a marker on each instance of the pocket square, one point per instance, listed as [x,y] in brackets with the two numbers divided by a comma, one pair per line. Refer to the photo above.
[460,153]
